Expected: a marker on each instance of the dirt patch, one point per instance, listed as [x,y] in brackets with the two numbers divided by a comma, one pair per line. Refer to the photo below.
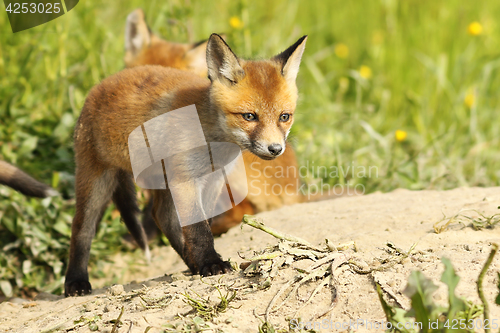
[401,217]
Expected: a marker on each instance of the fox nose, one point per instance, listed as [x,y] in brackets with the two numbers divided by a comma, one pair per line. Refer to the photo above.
[275,149]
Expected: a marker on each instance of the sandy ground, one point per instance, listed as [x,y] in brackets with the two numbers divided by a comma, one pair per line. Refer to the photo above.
[402,217]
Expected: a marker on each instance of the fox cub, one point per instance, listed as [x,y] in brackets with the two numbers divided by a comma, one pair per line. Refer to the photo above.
[248,103]
[20,181]
[142,47]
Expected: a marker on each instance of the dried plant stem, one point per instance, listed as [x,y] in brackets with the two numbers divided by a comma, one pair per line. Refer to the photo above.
[249,220]
[117,322]
[278,294]
[357,269]
[486,312]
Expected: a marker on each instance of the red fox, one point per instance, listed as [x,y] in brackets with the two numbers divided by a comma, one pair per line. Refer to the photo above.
[142,47]
[248,103]
[22,182]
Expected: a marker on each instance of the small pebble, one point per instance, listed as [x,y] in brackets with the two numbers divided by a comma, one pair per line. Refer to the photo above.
[116,290]
[109,308]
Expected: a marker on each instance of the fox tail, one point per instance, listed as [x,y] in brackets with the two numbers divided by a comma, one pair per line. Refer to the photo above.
[24,183]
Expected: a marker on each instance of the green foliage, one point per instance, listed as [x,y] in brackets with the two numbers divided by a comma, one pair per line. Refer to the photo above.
[34,235]
[427,316]
[92,322]
[267,328]
[478,221]
[205,308]
[34,240]
[422,73]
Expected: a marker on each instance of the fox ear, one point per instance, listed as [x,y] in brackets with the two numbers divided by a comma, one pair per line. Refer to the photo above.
[222,63]
[197,57]
[290,60]
[137,33]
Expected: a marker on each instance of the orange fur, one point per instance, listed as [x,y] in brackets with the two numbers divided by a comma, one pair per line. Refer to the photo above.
[156,51]
[126,100]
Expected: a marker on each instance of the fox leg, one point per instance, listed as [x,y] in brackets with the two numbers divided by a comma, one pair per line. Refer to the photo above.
[148,222]
[163,212]
[94,188]
[194,242]
[126,202]
[220,223]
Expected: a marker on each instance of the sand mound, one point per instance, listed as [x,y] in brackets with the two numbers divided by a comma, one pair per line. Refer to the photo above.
[401,217]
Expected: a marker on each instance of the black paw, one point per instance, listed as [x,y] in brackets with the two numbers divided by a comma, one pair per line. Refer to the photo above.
[216,268]
[77,288]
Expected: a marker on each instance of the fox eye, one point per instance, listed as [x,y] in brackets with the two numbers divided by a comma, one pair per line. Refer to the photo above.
[249,116]
[285,117]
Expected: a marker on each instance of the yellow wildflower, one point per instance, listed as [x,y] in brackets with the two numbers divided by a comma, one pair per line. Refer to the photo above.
[469,99]
[235,22]
[401,135]
[341,51]
[475,28]
[365,72]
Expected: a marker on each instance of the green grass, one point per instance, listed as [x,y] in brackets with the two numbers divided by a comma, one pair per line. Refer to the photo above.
[423,62]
